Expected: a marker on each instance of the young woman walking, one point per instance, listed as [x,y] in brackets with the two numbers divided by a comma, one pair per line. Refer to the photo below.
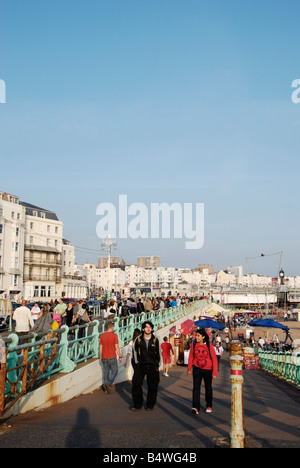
[203,361]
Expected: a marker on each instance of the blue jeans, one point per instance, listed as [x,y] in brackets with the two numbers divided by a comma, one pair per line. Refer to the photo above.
[110,370]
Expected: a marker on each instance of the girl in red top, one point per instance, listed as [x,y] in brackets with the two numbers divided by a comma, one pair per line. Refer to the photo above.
[204,362]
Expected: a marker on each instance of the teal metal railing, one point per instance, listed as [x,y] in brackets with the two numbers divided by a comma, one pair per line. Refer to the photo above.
[284,365]
[49,353]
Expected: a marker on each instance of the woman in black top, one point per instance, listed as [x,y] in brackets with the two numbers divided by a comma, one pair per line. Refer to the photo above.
[69,312]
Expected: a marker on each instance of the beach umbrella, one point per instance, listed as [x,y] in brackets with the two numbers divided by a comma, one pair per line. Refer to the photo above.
[209,323]
[269,323]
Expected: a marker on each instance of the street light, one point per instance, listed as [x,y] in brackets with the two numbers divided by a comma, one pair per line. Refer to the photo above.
[108,243]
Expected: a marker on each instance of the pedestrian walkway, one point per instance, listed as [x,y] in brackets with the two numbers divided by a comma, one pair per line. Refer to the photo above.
[272,417]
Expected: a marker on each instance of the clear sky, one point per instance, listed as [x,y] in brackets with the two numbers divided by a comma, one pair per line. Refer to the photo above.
[164,101]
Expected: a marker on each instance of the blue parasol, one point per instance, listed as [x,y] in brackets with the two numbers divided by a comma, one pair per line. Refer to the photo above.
[269,323]
[209,323]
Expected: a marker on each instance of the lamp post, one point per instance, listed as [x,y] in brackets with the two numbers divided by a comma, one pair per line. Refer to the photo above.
[108,243]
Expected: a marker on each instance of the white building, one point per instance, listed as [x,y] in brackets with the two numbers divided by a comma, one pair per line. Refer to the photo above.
[12,222]
[253,280]
[49,259]
[42,254]
[236,270]
[73,285]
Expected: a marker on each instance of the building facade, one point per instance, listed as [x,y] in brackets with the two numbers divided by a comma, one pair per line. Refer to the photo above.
[42,253]
[12,231]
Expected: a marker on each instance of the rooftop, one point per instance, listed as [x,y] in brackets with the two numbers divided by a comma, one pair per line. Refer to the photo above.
[32,210]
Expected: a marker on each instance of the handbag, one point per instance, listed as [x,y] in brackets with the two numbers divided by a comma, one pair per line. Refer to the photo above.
[54,325]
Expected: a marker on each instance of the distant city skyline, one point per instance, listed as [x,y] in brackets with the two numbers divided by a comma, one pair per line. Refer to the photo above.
[176,101]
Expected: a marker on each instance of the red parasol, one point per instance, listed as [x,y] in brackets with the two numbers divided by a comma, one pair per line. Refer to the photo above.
[187,327]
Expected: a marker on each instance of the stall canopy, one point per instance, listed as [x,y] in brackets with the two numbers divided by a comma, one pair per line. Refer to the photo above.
[209,323]
[187,327]
[269,323]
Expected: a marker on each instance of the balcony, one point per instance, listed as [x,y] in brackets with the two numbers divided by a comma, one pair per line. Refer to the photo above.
[50,278]
[42,262]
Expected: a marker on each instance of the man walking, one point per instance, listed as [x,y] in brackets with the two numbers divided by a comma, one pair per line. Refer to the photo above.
[109,350]
[24,320]
[167,349]
[147,358]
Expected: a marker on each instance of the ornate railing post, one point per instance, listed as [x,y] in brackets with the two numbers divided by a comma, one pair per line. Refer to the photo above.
[237,434]
[95,338]
[64,360]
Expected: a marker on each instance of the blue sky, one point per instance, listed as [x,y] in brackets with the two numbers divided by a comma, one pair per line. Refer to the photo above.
[165,101]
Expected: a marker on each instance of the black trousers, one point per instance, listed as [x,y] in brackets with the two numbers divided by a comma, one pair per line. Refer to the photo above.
[137,383]
[198,375]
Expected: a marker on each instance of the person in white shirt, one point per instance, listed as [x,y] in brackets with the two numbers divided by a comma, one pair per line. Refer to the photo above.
[219,351]
[35,311]
[23,318]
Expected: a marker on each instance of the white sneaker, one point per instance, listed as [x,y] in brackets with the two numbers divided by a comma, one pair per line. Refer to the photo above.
[195,411]
[166,375]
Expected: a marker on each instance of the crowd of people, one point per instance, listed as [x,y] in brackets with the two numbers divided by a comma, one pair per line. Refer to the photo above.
[49,316]
[41,317]
[123,308]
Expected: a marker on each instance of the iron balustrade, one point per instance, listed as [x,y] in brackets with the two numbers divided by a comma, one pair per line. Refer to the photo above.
[284,365]
[60,351]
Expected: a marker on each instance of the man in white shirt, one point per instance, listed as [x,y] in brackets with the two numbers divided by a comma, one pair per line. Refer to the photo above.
[23,318]
[35,311]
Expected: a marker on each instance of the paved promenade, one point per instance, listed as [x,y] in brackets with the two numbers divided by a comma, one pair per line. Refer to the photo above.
[272,417]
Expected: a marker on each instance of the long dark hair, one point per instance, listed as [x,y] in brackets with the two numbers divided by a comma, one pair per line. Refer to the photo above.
[136,333]
[203,332]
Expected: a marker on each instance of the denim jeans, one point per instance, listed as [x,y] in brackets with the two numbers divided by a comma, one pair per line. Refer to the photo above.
[110,370]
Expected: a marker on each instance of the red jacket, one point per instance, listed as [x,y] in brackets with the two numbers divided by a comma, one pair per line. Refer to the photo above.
[200,357]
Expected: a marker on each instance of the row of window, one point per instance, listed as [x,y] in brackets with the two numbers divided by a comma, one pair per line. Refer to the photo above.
[31,226]
[42,291]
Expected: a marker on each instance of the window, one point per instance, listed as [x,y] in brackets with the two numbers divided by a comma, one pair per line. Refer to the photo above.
[48,228]
[36,291]
[1,228]
[43,291]
[17,232]
[31,225]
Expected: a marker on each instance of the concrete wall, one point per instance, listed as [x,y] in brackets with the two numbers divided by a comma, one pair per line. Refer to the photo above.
[85,379]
